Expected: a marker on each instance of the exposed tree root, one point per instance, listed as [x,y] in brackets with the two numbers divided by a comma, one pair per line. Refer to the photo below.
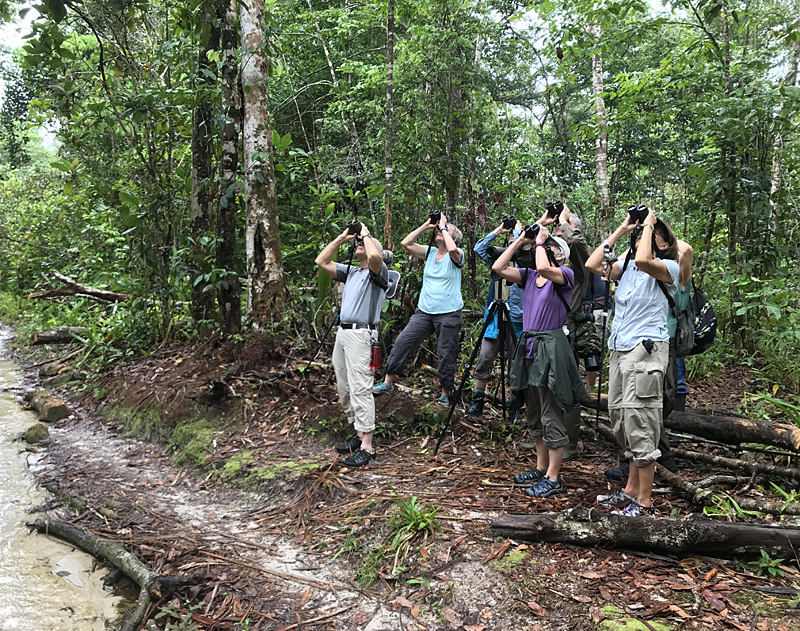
[151,585]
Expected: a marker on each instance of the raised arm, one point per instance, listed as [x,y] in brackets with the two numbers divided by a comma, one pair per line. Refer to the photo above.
[595,262]
[415,249]
[452,249]
[502,265]
[374,255]
[325,259]
[543,266]
[645,260]
[483,245]
[685,259]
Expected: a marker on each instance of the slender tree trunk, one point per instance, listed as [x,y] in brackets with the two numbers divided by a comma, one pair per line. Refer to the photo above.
[230,292]
[472,190]
[387,234]
[451,147]
[202,205]
[601,142]
[265,289]
[778,177]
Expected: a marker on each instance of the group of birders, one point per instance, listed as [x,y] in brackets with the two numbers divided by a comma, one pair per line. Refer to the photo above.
[549,304]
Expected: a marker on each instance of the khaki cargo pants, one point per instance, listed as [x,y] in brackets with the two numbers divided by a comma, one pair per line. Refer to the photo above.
[635,400]
[354,377]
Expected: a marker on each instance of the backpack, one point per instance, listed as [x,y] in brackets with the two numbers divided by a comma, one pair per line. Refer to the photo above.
[697,323]
[705,322]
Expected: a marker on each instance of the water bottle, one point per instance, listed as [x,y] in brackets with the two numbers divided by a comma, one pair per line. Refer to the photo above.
[375,355]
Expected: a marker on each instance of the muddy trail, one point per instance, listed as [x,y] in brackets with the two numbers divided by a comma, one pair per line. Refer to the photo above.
[218,459]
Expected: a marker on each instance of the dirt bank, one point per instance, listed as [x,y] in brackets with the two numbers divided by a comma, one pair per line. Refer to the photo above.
[218,458]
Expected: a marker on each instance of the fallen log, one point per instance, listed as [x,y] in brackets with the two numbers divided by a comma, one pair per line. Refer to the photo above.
[740,465]
[49,408]
[58,335]
[704,496]
[151,585]
[729,429]
[688,535]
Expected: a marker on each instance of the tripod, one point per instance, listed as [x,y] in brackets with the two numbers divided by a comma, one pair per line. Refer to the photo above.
[606,300]
[505,329]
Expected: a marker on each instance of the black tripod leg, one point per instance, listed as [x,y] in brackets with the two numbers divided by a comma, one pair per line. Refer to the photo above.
[321,344]
[501,337]
[446,422]
[602,357]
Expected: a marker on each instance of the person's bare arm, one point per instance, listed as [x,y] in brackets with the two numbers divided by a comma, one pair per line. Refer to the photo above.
[325,259]
[595,261]
[502,266]
[415,249]
[452,249]
[685,260]
[374,255]
[645,260]
[543,263]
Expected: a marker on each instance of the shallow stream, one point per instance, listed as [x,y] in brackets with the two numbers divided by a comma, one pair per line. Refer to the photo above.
[45,585]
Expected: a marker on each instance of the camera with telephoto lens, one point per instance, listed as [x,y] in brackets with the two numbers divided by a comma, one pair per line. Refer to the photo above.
[509,221]
[585,314]
[435,216]
[354,226]
[531,231]
[554,209]
[638,213]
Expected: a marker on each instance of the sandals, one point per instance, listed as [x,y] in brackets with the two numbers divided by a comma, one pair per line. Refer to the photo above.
[531,475]
[545,488]
[359,459]
[443,401]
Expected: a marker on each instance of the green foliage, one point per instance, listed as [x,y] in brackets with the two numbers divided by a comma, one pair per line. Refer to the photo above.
[767,566]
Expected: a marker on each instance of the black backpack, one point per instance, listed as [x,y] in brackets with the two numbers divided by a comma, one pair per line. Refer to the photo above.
[705,322]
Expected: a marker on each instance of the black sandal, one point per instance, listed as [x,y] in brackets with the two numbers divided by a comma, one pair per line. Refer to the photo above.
[359,458]
[351,446]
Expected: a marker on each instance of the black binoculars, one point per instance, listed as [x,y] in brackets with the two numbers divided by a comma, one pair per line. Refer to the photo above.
[509,221]
[638,213]
[554,208]
[531,231]
[354,226]
[435,216]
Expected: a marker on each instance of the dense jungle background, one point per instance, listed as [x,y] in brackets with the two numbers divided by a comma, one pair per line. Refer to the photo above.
[198,155]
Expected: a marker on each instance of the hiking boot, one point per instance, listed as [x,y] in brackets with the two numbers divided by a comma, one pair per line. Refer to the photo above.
[617,475]
[614,499]
[352,445]
[381,388]
[531,475]
[668,462]
[359,459]
[545,488]
[475,408]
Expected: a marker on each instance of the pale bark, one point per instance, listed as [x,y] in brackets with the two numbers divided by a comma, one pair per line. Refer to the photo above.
[201,202]
[452,143]
[229,297]
[601,141]
[387,234]
[778,179]
[472,189]
[265,288]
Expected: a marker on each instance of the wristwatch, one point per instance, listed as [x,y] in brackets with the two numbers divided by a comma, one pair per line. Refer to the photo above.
[443,229]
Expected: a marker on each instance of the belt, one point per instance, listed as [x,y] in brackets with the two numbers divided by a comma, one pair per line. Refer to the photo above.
[358,325]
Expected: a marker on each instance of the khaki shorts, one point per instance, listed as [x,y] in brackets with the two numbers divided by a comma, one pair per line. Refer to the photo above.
[635,400]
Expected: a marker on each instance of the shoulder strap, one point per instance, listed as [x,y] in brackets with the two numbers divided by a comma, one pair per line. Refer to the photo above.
[557,287]
[666,294]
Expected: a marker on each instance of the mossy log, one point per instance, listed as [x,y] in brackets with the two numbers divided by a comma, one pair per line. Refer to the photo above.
[729,429]
[49,409]
[151,585]
[688,535]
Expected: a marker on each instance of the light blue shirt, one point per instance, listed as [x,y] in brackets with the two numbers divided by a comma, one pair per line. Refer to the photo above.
[641,308]
[441,285]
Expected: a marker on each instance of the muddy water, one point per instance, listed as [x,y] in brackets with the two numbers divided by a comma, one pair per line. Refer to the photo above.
[44,584]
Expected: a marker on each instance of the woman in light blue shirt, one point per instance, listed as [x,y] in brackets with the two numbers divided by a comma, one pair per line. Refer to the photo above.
[639,345]
[438,310]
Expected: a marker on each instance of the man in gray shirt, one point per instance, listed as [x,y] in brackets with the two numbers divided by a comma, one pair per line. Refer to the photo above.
[364,292]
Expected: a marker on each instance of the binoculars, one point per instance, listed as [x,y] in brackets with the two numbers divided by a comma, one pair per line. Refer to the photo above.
[435,216]
[354,226]
[509,221]
[531,231]
[638,213]
[554,208]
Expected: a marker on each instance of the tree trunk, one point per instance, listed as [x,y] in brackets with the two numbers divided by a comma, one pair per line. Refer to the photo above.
[690,535]
[59,335]
[471,219]
[387,233]
[265,288]
[601,142]
[201,203]
[451,146]
[229,293]
[778,179]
